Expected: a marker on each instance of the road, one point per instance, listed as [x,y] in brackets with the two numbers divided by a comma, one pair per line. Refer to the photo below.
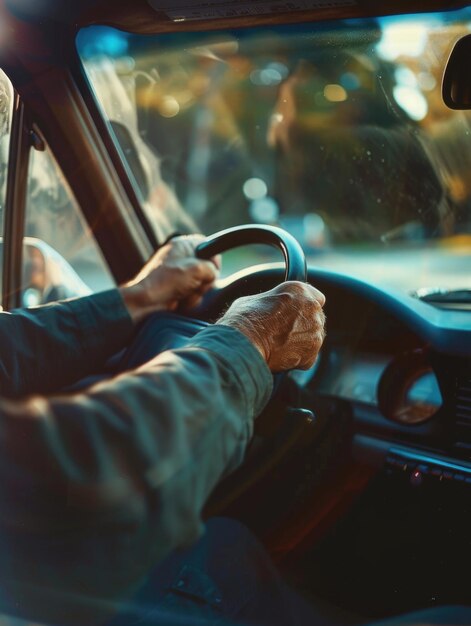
[405,269]
[444,265]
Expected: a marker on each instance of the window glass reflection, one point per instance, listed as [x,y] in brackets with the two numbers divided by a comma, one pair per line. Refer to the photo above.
[335,131]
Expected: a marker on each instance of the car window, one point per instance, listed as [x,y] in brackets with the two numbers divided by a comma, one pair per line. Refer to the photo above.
[6,103]
[335,131]
[61,258]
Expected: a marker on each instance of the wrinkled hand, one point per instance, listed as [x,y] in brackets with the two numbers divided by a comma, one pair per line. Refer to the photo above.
[286,324]
[173,278]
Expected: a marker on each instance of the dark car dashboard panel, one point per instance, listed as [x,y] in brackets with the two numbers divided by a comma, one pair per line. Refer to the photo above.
[402,365]
[405,369]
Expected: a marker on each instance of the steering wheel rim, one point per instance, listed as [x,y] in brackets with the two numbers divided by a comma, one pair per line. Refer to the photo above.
[237,236]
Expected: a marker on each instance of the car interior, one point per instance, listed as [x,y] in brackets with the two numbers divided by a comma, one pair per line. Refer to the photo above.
[325,141]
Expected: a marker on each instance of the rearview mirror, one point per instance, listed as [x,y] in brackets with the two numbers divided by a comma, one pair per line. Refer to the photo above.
[456,87]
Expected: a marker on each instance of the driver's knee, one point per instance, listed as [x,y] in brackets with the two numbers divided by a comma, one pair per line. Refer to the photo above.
[226,573]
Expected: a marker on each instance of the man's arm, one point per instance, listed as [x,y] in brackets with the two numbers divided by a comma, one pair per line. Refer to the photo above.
[176,422]
[146,426]
[140,452]
[126,466]
[46,348]
[43,349]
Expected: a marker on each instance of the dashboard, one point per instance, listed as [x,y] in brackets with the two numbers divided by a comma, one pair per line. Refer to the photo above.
[404,368]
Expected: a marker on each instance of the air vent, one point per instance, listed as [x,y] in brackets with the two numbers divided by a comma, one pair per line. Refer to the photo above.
[463,402]
[463,416]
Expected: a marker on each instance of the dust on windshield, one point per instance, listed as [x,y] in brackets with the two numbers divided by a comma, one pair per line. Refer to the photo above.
[336,132]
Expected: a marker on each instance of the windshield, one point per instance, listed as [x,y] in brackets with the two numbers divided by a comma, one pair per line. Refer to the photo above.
[335,131]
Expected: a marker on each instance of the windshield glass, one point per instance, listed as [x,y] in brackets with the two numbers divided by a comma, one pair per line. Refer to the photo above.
[335,131]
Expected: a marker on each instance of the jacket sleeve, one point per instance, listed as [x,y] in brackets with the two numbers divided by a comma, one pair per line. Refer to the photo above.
[144,449]
[45,348]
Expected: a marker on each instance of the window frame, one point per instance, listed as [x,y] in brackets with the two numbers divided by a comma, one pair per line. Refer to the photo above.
[120,165]
[46,74]
[24,137]
[15,203]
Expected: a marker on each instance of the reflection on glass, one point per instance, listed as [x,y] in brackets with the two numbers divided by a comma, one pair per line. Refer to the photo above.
[419,400]
[61,258]
[6,106]
[335,131]
[423,398]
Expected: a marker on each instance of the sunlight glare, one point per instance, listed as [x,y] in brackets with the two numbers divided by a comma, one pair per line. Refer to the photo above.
[402,39]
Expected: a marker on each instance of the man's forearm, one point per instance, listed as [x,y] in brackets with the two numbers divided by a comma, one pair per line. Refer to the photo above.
[142,451]
[45,348]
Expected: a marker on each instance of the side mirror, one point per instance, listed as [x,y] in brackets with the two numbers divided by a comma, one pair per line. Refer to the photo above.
[456,86]
[47,276]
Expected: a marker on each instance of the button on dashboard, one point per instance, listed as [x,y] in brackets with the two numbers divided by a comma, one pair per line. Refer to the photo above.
[419,471]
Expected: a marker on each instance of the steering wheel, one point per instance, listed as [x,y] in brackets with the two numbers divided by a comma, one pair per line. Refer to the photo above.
[164,331]
[237,236]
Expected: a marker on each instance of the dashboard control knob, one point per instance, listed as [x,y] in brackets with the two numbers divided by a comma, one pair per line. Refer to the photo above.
[416,478]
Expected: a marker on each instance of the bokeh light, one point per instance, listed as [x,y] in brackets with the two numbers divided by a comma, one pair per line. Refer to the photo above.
[255,188]
[402,39]
[411,101]
[335,93]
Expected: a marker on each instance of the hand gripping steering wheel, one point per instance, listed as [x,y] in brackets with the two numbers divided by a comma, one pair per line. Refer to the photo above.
[164,331]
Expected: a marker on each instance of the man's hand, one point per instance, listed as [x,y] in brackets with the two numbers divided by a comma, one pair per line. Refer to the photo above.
[172,278]
[286,324]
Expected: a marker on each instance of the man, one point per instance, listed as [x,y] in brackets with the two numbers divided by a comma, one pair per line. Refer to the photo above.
[97,488]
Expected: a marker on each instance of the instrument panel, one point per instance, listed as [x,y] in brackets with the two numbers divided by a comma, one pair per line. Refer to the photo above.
[404,387]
